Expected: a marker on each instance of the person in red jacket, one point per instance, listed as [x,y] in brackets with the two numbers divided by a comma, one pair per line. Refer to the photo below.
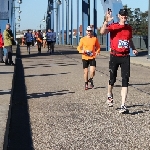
[120,44]
[1,48]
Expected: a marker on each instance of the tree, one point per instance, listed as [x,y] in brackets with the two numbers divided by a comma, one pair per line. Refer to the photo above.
[138,20]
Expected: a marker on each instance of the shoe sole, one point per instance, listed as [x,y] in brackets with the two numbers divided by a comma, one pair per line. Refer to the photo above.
[124,112]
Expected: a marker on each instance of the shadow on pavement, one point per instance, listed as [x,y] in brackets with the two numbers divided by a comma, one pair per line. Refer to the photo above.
[20,135]
[47,74]
[142,53]
[48,94]
[3,92]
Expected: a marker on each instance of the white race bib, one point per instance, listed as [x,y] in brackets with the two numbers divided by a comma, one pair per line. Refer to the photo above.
[123,44]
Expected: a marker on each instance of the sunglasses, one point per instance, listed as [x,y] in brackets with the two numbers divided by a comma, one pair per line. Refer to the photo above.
[89,30]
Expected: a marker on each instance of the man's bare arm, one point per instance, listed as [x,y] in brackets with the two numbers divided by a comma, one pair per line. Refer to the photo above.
[132,44]
[104,29]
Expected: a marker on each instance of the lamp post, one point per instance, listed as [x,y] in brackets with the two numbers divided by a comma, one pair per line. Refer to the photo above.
[62,34]
[148,57]
[19,19]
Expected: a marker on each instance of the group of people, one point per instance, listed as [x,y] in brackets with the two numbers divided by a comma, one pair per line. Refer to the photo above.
[89,47]
[41,39]
[120,44]
[6,40]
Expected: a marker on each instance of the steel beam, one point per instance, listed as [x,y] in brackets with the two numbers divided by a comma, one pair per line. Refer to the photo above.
[148,31]
[77,37]
[71,22]
[95,17]
[62,22]
[85,15]
[67,22]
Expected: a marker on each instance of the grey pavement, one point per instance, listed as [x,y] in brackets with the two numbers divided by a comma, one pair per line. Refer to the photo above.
[6,78]
[52,111]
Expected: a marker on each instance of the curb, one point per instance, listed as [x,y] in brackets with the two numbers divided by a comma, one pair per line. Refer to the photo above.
[9,111]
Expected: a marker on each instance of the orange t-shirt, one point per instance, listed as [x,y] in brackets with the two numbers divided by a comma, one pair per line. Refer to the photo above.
[90,44]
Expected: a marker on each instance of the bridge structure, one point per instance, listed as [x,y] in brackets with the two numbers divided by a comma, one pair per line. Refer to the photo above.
[60,16]
[63,23]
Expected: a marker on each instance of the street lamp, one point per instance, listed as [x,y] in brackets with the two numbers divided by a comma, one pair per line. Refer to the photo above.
[59,2]
[44,19]
[148,57]
[20,1]
[19,19]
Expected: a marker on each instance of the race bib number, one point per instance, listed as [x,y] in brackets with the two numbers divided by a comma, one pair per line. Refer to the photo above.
[123,44]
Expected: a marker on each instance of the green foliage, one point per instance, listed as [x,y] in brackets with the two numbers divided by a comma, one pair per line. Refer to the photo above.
[138,20]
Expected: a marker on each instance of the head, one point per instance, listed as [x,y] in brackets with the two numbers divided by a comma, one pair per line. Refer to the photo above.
[89,31]
[49,30]
[52,30]
[123,14]
[28,30]
[8,26]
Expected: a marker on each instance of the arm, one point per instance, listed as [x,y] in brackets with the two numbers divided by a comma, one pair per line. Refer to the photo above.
[104,29]
[131,44]
[133,47]
[80,47]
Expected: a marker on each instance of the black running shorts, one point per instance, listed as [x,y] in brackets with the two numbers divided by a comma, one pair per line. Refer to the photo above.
[86,63]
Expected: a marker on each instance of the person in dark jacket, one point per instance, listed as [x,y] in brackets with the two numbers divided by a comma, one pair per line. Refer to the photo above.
[39,41]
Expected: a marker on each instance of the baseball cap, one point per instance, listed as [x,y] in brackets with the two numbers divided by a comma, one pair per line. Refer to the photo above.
[88,28]
[123,12]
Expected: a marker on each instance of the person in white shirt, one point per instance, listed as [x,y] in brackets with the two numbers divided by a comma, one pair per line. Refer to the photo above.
[44,39]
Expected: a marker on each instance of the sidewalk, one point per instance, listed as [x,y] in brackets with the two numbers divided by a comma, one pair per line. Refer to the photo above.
[141,59]
[52,110]
[6,82]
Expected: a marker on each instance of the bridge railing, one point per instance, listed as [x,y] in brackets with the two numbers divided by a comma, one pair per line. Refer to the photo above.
[141,42]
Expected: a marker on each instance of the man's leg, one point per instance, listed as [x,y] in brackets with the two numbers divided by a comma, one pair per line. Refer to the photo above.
[9,48]
[48,46]
[29,48]
[40,45]
[53,47]
[85,68]
[92,71]
[6,58]
[125,73]
[1,55]
[113,67]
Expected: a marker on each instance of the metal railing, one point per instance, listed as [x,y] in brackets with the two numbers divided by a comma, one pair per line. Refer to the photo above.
[140,42]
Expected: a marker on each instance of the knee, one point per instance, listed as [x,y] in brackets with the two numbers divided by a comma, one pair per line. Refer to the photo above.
[85,70]
[125,82]
[112,81]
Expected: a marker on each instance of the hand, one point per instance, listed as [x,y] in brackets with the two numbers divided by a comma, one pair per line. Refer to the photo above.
[135,52]
[97,53]
[82,51]
[108,16]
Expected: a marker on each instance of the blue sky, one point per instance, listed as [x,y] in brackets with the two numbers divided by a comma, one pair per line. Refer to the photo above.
[33,12]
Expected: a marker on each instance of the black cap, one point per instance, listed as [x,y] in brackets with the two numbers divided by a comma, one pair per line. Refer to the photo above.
[123,12]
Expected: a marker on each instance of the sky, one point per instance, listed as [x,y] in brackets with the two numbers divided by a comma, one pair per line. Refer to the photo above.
[33,12]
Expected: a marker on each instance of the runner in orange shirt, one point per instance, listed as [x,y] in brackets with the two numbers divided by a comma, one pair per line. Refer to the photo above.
[89,47]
